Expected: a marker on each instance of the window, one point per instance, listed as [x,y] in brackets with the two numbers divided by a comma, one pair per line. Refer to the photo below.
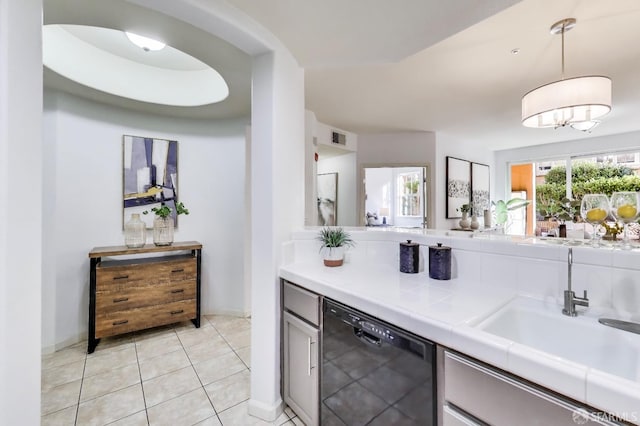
[408,190]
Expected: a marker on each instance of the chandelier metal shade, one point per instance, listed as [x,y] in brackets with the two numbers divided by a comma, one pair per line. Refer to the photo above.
[577,102]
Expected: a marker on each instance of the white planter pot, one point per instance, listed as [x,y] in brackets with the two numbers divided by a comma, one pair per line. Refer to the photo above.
[333,256]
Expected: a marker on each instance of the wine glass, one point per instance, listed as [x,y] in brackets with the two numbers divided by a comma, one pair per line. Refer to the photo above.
[624,207]
[594,209]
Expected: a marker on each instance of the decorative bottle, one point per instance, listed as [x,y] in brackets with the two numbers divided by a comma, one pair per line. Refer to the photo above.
[135,232]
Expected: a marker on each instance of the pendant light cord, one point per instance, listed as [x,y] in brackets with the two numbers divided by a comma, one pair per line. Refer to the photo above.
[563,31]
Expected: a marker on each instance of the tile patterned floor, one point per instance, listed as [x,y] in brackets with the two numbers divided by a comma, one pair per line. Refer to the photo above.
[175,375]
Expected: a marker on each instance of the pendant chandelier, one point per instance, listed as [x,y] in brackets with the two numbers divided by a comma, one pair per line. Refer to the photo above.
[578,102]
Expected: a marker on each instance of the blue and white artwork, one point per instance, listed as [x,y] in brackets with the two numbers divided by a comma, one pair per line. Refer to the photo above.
[150,176]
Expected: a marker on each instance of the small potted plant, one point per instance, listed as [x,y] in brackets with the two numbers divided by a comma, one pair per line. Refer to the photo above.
[333,242]
[502,209]
[464,222]
[163,223]
[560,211]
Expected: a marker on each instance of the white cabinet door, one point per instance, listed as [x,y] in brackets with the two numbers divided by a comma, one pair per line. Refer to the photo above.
[301,378]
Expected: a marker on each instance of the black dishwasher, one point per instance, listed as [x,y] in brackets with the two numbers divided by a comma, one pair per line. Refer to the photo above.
[374,373]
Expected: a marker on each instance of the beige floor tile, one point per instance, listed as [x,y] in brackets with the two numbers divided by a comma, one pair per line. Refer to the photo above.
[66,417]
[112,344]
[64,356]
[197,336]
[219,368]
[209,349]
[239,415]
[239,340]
[153,333]
[185,326]
[59,397]
[245,355]
[230,391]
[169,386]
[64,374]
[137,419]
[222,320]
[111,407]
[187,409]
[234,325]
[282,419]
[101,363]
[163,364]
[110,381]
[211,421]
[297,422]
[151,348]
[289,412]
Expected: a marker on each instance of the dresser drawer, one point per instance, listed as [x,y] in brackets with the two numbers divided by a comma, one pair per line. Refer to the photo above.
[112,323]
[116,276]
[135,296]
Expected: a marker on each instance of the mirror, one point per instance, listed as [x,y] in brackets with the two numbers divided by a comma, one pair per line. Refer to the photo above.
[395,195]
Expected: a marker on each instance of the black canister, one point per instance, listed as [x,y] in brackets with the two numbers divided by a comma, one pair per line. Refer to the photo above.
[440,262]
[409,257]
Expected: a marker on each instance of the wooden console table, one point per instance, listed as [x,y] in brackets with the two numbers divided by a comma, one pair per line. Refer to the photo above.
[142,291]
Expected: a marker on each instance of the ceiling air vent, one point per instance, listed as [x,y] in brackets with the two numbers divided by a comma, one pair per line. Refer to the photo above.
[338,138]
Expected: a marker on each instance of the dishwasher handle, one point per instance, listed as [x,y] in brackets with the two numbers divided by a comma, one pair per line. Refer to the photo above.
[367,338]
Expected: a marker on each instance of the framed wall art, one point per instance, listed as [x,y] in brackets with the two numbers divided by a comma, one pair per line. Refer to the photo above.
[328,199]
[149,176]
[480,195]
[458,186]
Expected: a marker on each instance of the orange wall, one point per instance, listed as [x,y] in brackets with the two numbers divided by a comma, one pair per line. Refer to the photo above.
[522,180]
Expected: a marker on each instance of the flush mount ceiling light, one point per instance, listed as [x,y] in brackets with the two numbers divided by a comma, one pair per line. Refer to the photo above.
[145,43]
[167,77]
[577,102]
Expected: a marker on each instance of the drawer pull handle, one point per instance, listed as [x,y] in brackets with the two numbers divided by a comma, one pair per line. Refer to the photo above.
[177,270]
[122,277]
[122,299]
[120,322]
[177,291]
[177,312]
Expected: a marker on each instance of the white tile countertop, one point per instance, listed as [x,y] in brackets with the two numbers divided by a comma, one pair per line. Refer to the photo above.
[487,274]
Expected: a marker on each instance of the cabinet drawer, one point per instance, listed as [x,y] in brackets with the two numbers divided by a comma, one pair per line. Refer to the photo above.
[139,296]
[110,324]
[499,399]
[115,276]
[302,303]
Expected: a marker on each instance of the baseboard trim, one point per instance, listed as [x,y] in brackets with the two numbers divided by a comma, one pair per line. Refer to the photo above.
[45,350]
[264,411]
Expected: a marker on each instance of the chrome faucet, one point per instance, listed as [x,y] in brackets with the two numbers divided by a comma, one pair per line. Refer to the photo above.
[570,298]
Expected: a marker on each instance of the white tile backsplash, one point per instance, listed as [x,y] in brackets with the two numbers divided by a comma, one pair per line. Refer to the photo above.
[595,279]
[532,267]
[540,278]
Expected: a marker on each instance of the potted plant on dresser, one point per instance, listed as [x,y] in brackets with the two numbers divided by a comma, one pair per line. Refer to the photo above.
[333,242]
[163,223]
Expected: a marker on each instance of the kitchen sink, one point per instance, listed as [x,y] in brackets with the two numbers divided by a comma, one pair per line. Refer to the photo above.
[582,339]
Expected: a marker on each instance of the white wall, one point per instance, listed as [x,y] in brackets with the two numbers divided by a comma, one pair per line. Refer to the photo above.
[310,170]
[83,193]
[376,179]
[345,166]
[417,148]
[465,150]
[587,146]
[277,184]
[20,210]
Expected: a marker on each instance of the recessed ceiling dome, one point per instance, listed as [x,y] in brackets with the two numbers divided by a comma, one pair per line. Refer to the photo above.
[105,59]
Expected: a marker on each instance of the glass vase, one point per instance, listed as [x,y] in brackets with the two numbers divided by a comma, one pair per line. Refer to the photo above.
[163,231]
[135,232]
